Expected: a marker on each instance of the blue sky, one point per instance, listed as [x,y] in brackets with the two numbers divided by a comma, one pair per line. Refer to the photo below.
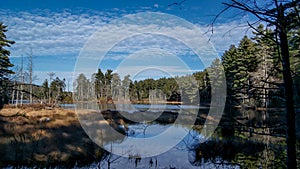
[56,31]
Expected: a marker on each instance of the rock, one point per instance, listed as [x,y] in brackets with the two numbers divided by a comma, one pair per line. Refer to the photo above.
[44,119]
[49,108]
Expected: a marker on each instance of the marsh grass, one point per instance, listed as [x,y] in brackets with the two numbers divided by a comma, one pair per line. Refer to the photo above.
[34,136]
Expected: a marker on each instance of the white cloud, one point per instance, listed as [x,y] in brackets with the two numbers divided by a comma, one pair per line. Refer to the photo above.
[65,32]
[51,33]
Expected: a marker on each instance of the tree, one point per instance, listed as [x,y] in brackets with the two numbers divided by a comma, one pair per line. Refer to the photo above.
[294,41]
[116,86]
[228,60]
[99,83]
[268,81]
[45,89]
[204,86]
[107,83]
[51,74]
[125,86]
[20,75]
[5,65]
[246,64]
[240,63]
[31,77]
[188,89]
[280,16]
[82,88]
[57,87]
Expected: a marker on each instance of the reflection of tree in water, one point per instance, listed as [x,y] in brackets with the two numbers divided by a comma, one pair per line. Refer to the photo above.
[238,152]
[227,151]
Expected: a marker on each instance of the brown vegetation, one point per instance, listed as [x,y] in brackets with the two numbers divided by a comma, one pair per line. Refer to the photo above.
[34,136]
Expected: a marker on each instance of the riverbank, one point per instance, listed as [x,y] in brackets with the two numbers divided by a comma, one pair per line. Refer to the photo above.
[44,138]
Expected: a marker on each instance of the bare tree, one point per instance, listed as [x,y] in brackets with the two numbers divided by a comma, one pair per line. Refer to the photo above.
[20,88]
[30,69]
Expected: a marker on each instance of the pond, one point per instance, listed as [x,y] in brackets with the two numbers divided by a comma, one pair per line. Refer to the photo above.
[176,157]
[174,150]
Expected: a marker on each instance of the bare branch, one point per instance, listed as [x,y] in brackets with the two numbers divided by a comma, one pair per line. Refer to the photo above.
[259,32]
[238,5]
[297,11]
[177,4]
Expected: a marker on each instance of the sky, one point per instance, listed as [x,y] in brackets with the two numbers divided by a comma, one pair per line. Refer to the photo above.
[59,34]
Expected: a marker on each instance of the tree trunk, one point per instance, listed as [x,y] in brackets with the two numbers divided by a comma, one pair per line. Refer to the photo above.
[13,93]
[18,91]
[22,94]
[30,76]
[288,85]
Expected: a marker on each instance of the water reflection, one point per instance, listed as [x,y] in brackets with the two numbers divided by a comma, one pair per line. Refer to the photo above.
[193,151]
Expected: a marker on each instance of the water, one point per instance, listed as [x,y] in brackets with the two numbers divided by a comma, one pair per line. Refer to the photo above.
[140,107]
[179,156]
[191,151]
[19,101]
[68,106]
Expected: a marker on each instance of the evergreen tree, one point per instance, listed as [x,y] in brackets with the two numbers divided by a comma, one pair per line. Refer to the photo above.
[107,83]
[229,59]
[45,89]
[5,65]
[57,87]
[99,83]
[268,78]
[239,63]
[294,41]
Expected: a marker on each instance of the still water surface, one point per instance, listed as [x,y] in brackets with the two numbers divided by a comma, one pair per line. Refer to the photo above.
[193,151]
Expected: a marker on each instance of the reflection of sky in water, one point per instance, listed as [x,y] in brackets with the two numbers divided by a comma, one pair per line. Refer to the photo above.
[133,107]
[146,130]
[153,107]
[178,157]
[157,140]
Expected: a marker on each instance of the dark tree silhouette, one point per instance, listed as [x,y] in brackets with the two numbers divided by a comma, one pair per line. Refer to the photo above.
[281,15]
[5,65]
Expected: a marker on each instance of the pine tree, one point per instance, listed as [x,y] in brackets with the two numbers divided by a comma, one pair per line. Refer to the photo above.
[5,65]
[229,60]
[294,41]
[268,78]
[99,83]
[45,90]
[247,62]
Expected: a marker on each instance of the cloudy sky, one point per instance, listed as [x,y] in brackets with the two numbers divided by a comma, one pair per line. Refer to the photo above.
[59,32]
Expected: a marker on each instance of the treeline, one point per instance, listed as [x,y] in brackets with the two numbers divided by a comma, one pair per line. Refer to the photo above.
[48,93]
[253,77]
[254,73]
[106,86]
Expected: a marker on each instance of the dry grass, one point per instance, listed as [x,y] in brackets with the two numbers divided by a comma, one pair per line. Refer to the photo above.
[39,137]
